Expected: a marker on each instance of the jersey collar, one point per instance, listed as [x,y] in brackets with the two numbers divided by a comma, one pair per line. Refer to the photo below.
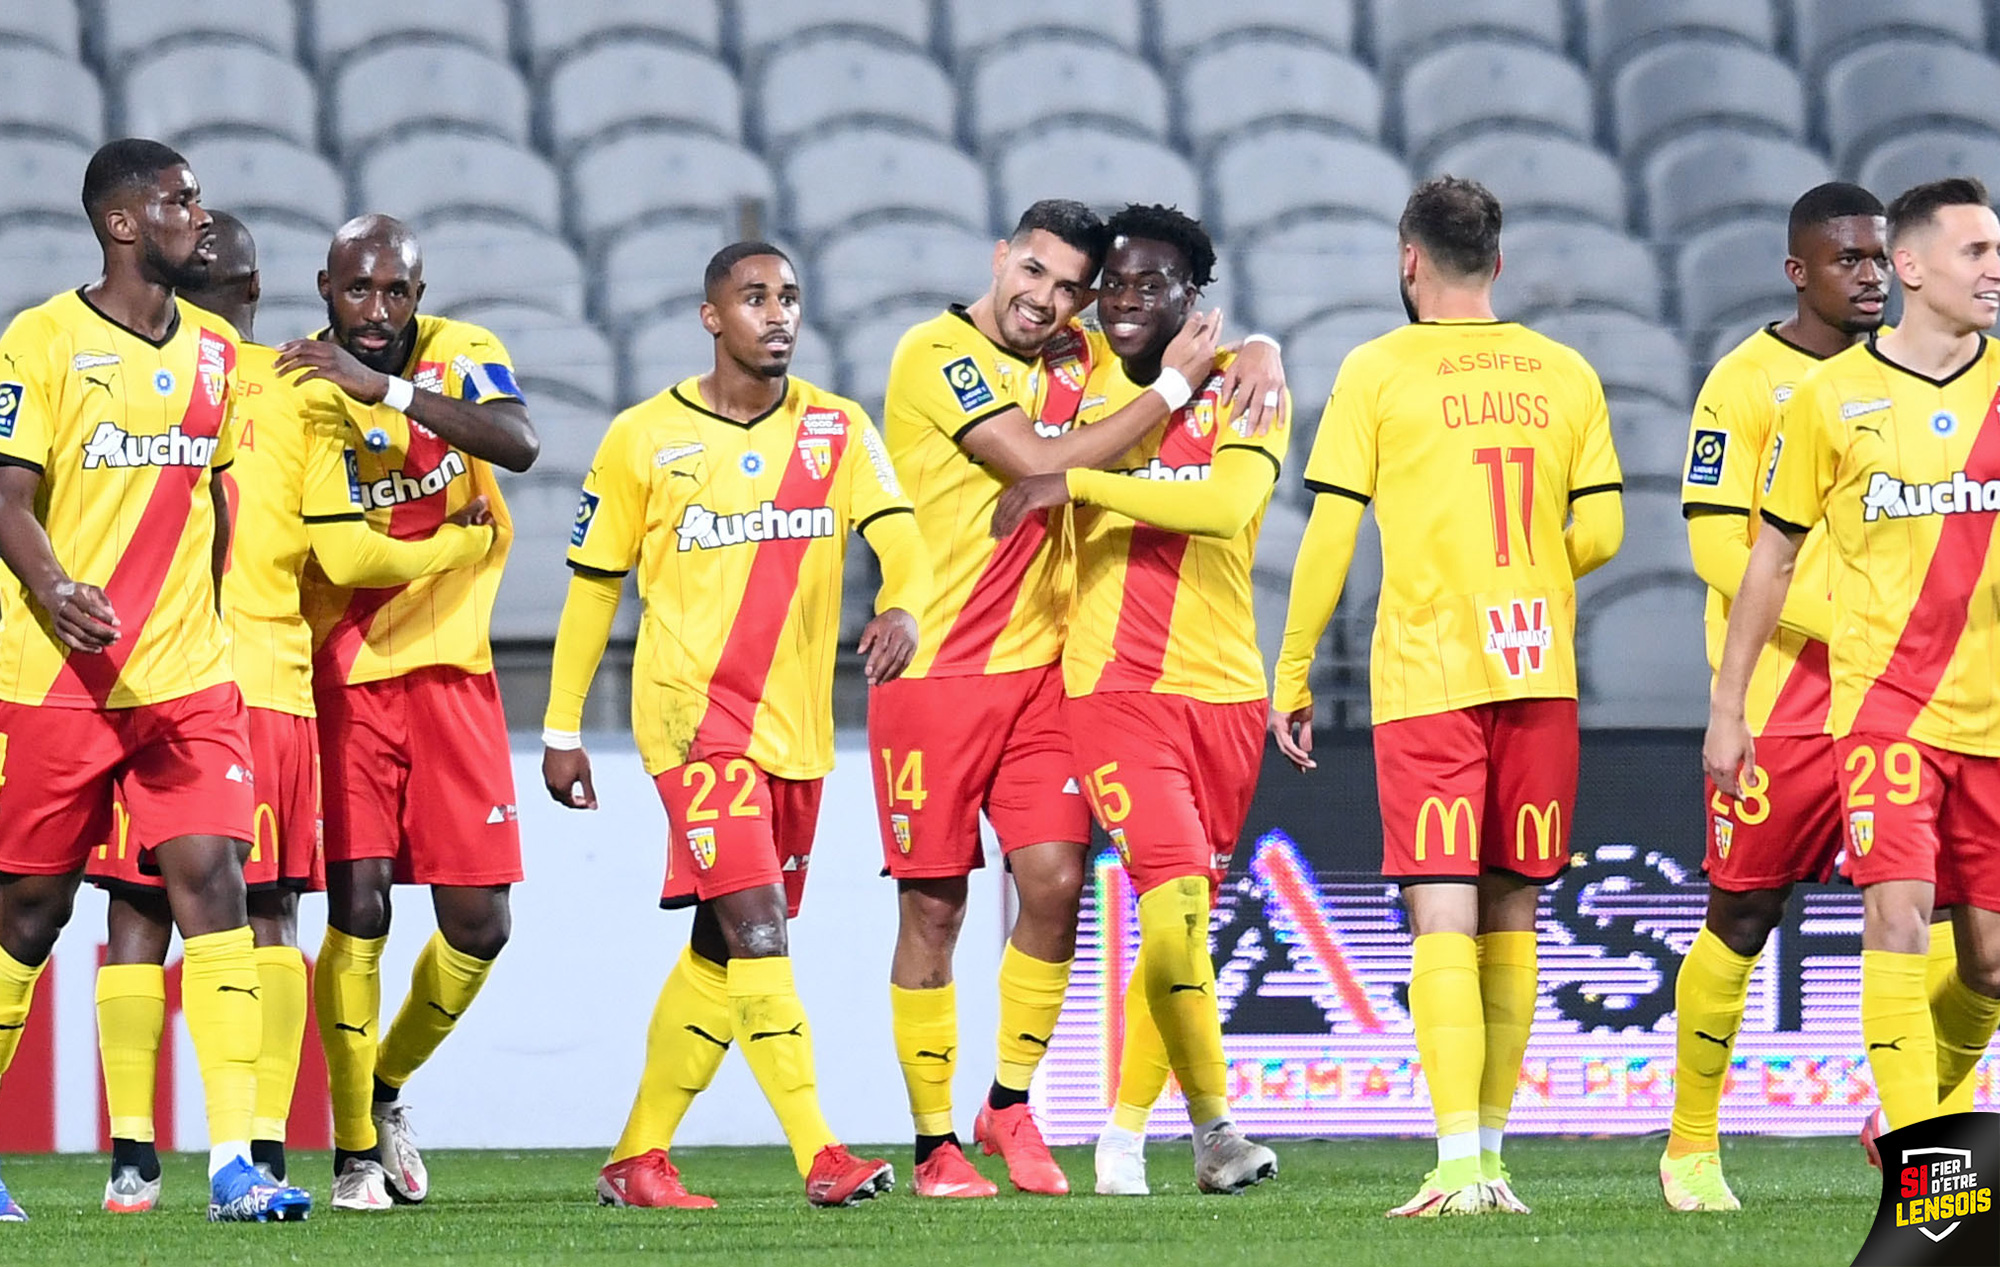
[173,327]
[958,310]
[693,401]
[1946,381]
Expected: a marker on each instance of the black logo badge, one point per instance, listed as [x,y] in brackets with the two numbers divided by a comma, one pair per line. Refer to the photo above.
[1937,1194]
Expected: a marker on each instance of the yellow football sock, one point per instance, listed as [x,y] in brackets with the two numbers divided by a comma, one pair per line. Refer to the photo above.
[1940,967]
[282,971]
[1507,968]
[1896,1026]
[442,985]
[1142,1066]
[685,1044]
[17,991]
[1451,1041]
[1709,995]
[1180,992]
[1031,999]
[770,1021]
[347,995]
[925,1026]
[131,1015]
[1963,1020]
[225,1019]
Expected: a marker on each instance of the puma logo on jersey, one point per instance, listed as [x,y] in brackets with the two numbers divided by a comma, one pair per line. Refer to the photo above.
[396,488]
[1959,495]
[702,529]
[1158,470]
[111,445]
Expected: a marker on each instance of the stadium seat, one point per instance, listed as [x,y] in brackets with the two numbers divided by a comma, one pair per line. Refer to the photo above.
[468,259]
[1029,81]
[868,344]
[643,268]
[1262,179]
[290,255]
[1462,89]
[52,26]
[1656,542]
[186,90]
[1316,265]
[553,29]
[1555,264]
[552,355]
[1537,172]
[638,81]
[43,177]
[1824,29]
[855,172]
[1313,353]
[1093,165]
[1678,87]
[263,173]
[38,261]
[761,28]
[430,174]
[1643,656]
[1651,438]
[1731,270]
[336,31]
[1629,353]
[642,174]
[974,25]
[381,93]
[808,85]
[1897,164]
[1617,29]
[667,348]
[1274,78]
[1403,31]
[280,319]
[45,93]
[1187,27]
[126,28]
[536,579]
[1896,86]
[857,271]
[1721,174]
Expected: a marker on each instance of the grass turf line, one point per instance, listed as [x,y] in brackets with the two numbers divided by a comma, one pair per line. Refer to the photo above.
[1596,1201]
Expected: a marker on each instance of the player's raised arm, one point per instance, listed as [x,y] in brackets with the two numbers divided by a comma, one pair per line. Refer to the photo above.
[374,276]
[882,514]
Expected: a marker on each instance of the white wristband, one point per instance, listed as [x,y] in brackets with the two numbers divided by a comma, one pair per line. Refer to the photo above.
[562,740]
[1248,339]
[399,394]
[1173,388]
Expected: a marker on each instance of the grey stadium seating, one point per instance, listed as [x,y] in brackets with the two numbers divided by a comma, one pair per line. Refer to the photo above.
[644,268]
[1731,270]
[972,26]
[384,92]
[337,31]
[1314,266]
[855,271]
[1620,28]
[629,81]
[673,345]
[471,260]
[763,26]
[1284,172]
[1093,165]
[1403,31]
[129,28]
[867,345]
[38,260]
[642,174]
[43,176]
[1930,154]
[552,30]
[1651,438]
[425,175]
[1629,353]
[854,173]
[1466,88]
[250,173]
[1313,353]
[52,26]
[1025,83]
[1189,26]
[1258,79]
[1889,88]
[1535,172]
[290,256]
[809,85]
[1549,265]
[189,90]
[1719,174]
[1643,660]
[553,355]
[1824,29]
[45,93]
[1676,88]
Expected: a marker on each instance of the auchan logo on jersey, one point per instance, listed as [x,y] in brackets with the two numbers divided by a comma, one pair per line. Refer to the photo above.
[1519,634]
[111,445]
[1158,470]
[702,529]
[1959,495]
[396,488]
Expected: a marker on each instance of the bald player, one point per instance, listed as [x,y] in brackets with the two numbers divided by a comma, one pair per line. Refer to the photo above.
[418,785]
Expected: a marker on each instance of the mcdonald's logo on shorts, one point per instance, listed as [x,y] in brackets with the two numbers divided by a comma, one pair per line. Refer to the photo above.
[1547,821]
[1448,818]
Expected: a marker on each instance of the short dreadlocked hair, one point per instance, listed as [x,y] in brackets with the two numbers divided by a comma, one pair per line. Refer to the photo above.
[1174,227]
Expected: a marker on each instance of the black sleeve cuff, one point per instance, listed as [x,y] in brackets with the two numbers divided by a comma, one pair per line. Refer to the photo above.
[347,517]
[1691,509]
[1588,489]
[1277,468]
[583,569]
[23,463]
[958,436]
[1316,486]
[1785,526]
[862,527]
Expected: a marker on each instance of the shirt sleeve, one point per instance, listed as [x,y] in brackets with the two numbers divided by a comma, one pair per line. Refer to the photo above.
[481,371]
[232,420]
[330,489]
[1804,457]
[27,415]
[943,383]
[1344,456]
[1273,444]
[1727,435]
[611,513]
[1594,469]
[872,488]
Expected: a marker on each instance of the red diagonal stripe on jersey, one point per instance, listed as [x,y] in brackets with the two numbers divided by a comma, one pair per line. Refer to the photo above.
[408,521]
[737,684]
[1937,618]
[1807,692]
[148,558]
[1153,569]
[968,644]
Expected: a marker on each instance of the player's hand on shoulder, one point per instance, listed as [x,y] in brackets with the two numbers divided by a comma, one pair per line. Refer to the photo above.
[82,615]
[1026,496]
[326,361]
[566,774]
[1293,732]
[889,642]
[1726,751]
[1192,352]
[474,514]
[1253,389]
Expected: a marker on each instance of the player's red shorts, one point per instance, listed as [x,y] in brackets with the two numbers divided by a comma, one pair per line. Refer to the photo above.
[1786,826]
[1915,812]
[1491,787]
[181,767]
[1169,778]
[286,849]
[417,769]
[945,748]
[732,827]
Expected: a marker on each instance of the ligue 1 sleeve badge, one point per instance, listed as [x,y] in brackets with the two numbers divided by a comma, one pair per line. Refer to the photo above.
[1937,1195]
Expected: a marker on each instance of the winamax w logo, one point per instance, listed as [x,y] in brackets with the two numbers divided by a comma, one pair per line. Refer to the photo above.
[1519,635]
[702,529]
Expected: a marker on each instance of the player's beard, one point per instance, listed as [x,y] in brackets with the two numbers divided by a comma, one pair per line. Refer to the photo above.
[1409,304]
[394,354]
[191,273]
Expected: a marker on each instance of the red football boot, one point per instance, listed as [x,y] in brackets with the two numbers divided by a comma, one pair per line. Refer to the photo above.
[1012,1133]
[648,1181]
[946,1173]
[1875,1124]
[838,1177]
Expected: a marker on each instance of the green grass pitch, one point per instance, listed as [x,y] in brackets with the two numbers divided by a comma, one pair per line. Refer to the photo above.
[1596,1201]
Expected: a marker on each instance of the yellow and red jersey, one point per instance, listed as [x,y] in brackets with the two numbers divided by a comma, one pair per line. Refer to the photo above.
[1904,471]
[1730,439]
[1160,611]
[740,534]
[997,605]
[125,433]
[1471,438]
[408,481]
